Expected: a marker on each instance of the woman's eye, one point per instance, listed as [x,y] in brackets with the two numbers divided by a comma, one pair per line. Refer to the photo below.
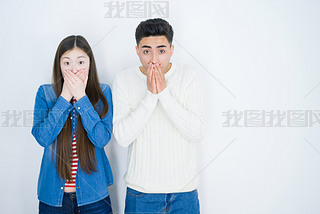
[67,63]
[81,62]
[146,52]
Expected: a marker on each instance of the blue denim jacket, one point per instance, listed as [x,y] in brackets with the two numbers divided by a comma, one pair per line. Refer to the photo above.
[50,114]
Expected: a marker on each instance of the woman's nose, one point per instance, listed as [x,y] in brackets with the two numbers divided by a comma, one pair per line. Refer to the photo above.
[74,69]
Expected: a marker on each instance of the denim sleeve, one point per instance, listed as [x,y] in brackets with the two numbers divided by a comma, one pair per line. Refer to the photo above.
[47,123]
[98,129]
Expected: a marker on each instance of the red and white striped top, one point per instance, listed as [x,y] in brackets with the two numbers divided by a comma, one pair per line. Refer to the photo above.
[74,157]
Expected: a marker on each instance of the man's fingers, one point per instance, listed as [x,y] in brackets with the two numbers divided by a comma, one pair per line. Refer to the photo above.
[150,73]
[159,74]
[149,69]
[155,81]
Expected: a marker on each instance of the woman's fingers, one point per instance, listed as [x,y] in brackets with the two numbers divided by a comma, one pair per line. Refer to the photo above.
[68,83]
[68,75]
[73,79]
[82,74]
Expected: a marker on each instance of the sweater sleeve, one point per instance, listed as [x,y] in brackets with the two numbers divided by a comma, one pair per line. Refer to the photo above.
[128,122]
[187,117]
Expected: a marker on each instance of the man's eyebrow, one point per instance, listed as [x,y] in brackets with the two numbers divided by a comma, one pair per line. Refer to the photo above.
[159,46]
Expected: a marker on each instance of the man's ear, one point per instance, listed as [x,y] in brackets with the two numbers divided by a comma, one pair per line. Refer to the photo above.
[171,50]
[137,50]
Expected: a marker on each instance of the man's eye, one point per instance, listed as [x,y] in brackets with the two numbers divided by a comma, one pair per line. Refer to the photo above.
[146,52]
[162,51]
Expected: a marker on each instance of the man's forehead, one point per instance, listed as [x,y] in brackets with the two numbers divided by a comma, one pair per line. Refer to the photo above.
[154,41]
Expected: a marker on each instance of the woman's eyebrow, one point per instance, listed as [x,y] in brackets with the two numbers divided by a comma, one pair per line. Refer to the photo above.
[69,58]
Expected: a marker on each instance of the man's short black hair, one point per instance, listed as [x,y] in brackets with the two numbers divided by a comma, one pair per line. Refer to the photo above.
[154,27]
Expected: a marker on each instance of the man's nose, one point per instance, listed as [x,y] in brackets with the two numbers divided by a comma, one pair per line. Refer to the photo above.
[154,58]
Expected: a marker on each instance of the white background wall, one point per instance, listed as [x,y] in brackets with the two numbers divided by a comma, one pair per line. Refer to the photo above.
[252,54]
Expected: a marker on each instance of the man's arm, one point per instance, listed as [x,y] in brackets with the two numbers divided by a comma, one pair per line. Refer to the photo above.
[187,117]
[128,122]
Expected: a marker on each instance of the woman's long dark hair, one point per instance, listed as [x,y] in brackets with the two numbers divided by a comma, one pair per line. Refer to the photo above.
[85,149]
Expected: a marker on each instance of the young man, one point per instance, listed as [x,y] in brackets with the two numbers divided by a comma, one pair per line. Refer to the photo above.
[158,114]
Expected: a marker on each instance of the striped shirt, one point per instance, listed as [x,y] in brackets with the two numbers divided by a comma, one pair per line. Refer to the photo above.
[74,158]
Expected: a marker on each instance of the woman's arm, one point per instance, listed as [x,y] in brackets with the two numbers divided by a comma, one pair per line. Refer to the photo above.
[98,129]
[47,123]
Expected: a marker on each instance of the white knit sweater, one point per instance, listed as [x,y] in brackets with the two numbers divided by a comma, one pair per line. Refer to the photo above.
[161,130]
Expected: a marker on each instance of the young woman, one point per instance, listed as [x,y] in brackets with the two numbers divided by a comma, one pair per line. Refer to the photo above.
[73,122]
